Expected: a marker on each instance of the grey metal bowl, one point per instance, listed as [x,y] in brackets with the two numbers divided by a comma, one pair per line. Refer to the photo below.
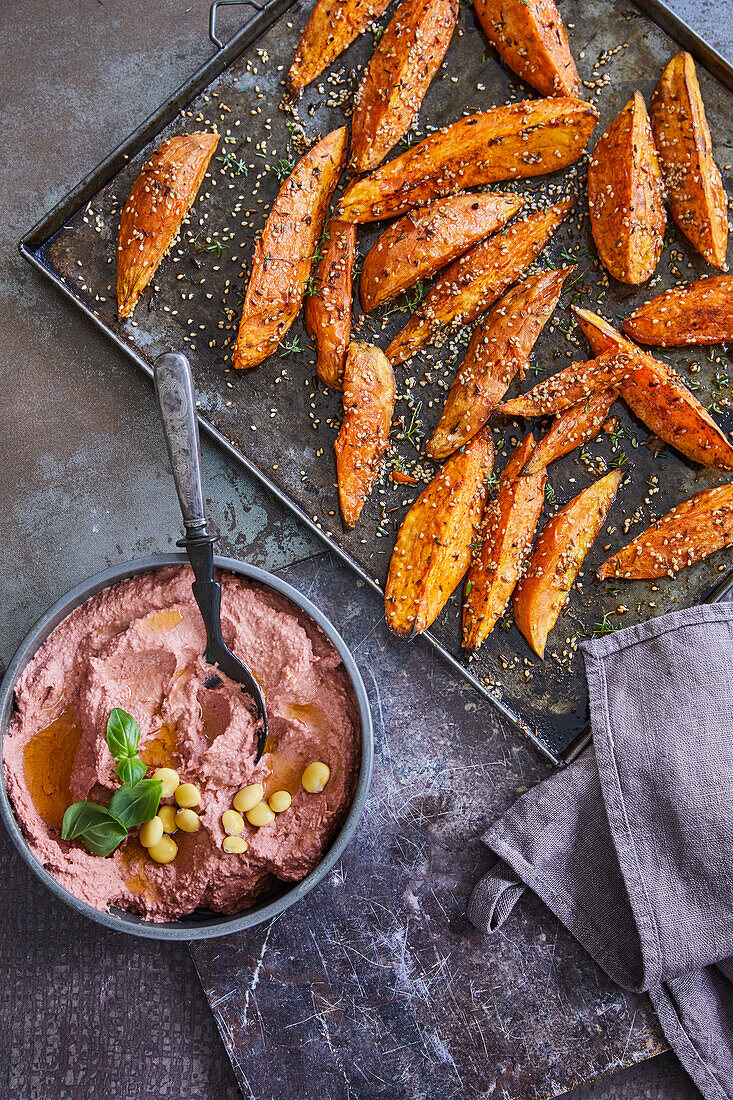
[201,924]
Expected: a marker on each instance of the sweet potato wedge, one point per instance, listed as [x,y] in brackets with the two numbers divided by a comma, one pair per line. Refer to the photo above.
[660,398]
[530,38]
[699,313]
[572,385]
[423,241]
[682,136]
[328,308]
[160,198]
[603,337]
[512,142]
[577,425]
[626,196]
[369,398]
[433,548]
[477,279]
[505,539]
[662,401]
[500,346]
[284,253]
[557,558]
[406,59]
[691,531]
[332,27]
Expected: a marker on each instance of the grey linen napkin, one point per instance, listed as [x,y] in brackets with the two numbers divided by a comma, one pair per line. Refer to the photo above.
[632,845]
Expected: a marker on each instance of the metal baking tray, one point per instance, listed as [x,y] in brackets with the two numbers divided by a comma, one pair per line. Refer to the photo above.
[280,424]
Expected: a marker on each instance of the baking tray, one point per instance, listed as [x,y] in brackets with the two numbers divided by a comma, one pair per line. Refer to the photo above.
[280,424]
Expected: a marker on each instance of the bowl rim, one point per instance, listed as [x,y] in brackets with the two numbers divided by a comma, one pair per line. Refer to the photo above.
[220,924]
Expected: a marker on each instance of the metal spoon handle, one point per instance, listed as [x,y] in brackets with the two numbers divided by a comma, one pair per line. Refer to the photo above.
[177,406]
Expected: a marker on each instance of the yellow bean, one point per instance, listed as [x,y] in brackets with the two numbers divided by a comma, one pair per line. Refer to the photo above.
[151,832]
[315,777]
[188,820]
[248,797]
[169,779]
[260,815]
[167,815]
[187,795]
[279,801]
[164,851]
[234,845]
[232,822]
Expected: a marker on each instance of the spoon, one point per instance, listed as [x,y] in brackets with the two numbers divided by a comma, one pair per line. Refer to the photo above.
[177,406]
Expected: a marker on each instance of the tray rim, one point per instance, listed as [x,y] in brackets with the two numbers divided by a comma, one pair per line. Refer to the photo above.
[77,197]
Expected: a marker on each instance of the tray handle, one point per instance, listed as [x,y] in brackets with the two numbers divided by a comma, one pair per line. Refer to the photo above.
[227,4]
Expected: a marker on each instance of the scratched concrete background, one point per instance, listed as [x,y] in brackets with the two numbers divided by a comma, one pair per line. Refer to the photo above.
[84,483]
[390,992]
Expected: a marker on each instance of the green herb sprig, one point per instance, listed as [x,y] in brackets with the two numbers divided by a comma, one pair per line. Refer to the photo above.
[290,347]
[284,167]
[605,626]
[101,829]
[217,246]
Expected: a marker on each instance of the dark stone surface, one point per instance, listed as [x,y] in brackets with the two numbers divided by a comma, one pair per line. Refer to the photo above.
[84,483]
[376,985]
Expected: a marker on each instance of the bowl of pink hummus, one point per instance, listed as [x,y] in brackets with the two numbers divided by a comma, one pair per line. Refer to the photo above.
[132,638]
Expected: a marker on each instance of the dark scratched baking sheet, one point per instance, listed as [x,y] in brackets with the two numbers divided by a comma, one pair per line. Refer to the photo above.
[282,424]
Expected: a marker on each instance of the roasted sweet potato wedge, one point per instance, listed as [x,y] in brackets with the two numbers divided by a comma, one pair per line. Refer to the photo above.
[691,531]
[700,313]
[328,307]
[505,539]
[397,77]
[626,196]
[522,139]
[332,27]
[160,198]
[369,398]
[433,548]
[682,136]
[575,384]
[423,241]
[557,558]
[284,253]
[530,38]
[662,401]
[603,337]
[477,279]
[660,398]
[577,425]
[500,346]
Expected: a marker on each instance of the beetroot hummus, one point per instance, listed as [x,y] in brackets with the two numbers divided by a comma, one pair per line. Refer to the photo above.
[139,646]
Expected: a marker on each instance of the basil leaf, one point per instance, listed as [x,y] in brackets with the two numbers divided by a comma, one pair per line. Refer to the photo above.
[94,827]
[123,734]
[78,816]
[136,805]
[102,839]
[131,770]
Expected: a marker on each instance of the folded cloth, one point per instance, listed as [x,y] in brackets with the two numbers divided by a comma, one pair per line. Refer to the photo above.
[632,845]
